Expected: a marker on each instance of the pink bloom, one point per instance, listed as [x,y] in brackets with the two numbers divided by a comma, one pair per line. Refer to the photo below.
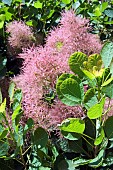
[42,66]
[73,35]
[21,36]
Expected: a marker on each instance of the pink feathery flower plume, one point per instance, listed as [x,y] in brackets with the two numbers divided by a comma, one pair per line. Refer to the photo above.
[42,66]
[20,36]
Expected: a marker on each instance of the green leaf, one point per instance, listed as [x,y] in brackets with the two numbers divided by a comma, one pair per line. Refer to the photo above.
[107,82]
[1,128]
[94,60]
[90,98]
[80,161]
[18,135]
[76,146]
[107,53]
[108,90]
[11,90]
[44,168]
[16,112]
[109,12]
[96,110]
[2,17]
[70,89]
[7,2]
[40,137]
[15,104]
[88,74]
[97,11]
[8,15]
[29,23]
[38,4]
[99,139]
[3,106]
[18,95]
[4,147]
[90,131]
[1,24]
[103,6]
[71,135]
[29,125]
[76,62]
[111,67]
[66,1]
[97,162]
[73,125]
[108,160]
[3,134]
[108,128]
[108,22]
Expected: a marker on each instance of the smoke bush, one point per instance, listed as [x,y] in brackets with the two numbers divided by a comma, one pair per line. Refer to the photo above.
[42,66]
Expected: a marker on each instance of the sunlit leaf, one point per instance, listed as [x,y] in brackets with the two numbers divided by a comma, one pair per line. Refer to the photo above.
[96,110]
[73,125]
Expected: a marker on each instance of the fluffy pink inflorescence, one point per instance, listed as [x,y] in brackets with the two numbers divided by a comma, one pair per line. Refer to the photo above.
[21,36]
[38,78]
[42,66]
[73,36]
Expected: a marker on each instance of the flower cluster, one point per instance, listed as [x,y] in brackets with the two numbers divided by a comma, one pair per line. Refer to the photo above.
[21,36]
[42,66]
[72,35]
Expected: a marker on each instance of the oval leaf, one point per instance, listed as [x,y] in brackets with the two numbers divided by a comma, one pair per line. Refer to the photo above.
[70,89]
[96,110]
[73,125]
[107,53]
[40,137]
[76,61]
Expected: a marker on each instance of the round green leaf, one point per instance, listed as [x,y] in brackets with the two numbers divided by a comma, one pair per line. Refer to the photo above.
[70,89]
[76,61]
